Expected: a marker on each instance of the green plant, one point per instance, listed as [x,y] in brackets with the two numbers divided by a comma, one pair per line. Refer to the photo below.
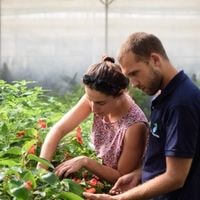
[141,99]
[26,115]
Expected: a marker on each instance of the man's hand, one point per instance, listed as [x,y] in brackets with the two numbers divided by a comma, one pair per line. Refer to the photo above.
[91,196]
[126,182]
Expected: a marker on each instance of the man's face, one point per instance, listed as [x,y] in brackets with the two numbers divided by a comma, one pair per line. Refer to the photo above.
[143,75]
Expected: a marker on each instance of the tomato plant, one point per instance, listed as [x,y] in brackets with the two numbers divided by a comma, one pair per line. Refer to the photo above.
[26,114]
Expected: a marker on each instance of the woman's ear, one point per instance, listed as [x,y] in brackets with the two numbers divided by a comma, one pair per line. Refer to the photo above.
[122,91]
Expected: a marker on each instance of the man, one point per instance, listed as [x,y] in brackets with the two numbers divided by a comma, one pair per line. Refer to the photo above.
[171,168]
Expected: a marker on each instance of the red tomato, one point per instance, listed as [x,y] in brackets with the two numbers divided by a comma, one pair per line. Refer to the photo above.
[79,135]
[76,180]
[93,182]
[32,150]
[20,134]
[28,185]
[42,123]
[90,190]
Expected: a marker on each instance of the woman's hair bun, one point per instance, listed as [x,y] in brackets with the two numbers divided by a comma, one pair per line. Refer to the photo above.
[110,59]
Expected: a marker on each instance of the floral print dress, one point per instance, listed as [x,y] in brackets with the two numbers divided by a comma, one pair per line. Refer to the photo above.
[107,137]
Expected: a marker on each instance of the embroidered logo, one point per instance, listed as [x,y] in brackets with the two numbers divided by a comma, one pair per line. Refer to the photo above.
[154,130]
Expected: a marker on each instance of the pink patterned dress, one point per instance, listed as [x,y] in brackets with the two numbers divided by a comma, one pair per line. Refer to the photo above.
[107,137]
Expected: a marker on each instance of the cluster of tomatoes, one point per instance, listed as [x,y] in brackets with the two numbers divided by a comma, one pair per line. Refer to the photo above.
[92,185]
[41,124]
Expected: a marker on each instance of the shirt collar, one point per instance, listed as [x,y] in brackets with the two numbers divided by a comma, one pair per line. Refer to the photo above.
[172,85]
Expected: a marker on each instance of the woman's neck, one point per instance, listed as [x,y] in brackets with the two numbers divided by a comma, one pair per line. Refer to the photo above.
[120,109]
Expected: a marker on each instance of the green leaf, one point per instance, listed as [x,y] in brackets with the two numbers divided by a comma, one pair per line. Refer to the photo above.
[14,171]
[14,151]
[40,160]
[31,132]
[30,177]
[21,193]
[74,187]
[9,163]
[17,189]
[50,178]
[28,145]
[69,196]
[4,128]
[2,175]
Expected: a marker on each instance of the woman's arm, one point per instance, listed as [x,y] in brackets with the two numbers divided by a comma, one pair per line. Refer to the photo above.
[66,124]
[75,164]
[130,159]
[134,145]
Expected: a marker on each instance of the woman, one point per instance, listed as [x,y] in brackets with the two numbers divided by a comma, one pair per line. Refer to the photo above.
[119,126]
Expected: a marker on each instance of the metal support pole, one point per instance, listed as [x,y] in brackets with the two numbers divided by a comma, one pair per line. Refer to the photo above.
[106,3]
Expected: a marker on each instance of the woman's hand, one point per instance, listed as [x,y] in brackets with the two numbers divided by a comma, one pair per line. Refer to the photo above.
[70,166]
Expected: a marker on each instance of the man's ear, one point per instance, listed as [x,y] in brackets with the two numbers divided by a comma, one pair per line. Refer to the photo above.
[155,58]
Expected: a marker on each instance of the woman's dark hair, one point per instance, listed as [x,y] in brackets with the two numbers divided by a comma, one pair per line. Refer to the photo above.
[106,77]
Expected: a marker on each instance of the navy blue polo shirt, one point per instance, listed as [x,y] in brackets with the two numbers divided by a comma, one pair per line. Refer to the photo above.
[175,131]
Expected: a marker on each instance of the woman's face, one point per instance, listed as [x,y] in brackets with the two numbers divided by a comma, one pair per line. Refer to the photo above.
[100,103]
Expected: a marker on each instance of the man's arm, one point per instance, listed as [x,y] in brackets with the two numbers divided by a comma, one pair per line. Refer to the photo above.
[174,178]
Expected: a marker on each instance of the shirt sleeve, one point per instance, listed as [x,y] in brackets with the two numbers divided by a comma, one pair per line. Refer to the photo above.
[181,132]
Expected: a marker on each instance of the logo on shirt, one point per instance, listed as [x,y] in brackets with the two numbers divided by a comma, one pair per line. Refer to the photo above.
[154,130]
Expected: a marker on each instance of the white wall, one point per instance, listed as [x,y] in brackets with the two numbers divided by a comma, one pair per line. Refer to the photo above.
[50,40]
